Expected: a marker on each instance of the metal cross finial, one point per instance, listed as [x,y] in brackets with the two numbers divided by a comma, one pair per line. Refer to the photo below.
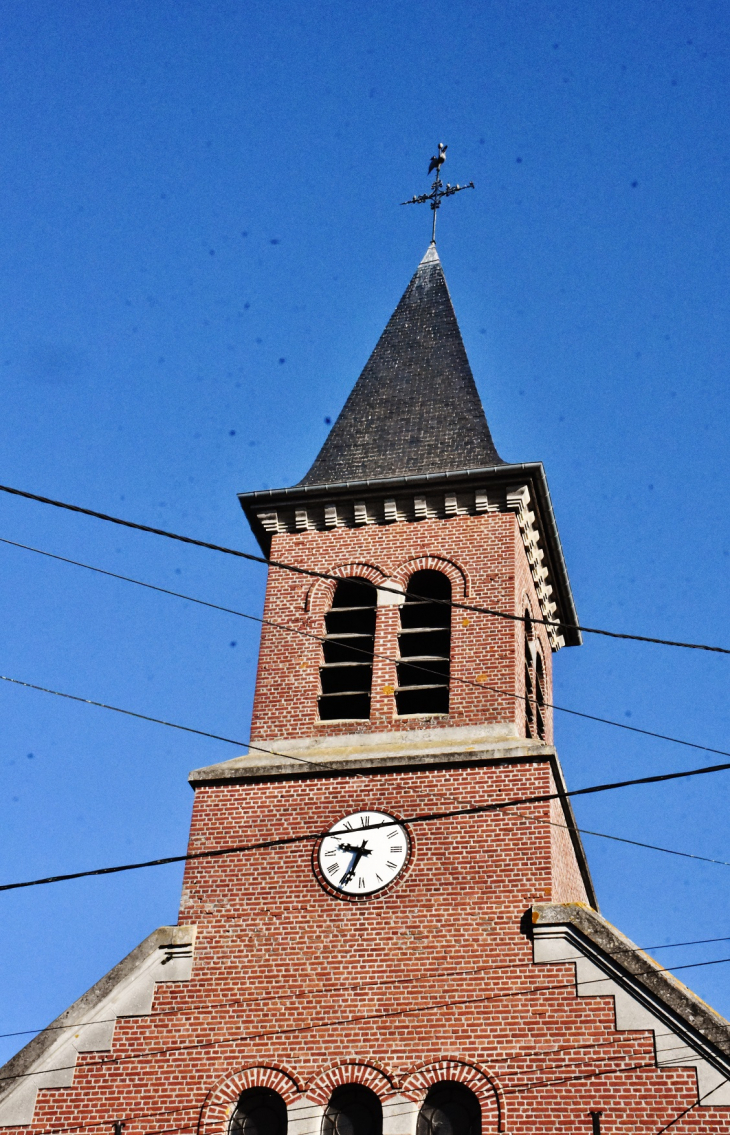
[438,191]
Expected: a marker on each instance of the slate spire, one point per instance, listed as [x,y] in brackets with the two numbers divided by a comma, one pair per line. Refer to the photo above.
[415,407]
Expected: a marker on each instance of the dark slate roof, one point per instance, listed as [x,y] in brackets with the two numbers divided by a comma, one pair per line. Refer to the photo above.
[415,407]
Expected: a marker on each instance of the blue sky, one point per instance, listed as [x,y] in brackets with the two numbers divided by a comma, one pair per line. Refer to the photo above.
[201,244]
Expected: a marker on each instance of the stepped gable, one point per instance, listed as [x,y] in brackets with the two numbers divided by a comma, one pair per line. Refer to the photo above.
[415,407]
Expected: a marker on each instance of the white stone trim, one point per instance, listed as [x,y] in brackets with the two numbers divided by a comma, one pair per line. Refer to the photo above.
[636,1008]
[167,955]
[400,1116]
[394,596]
[518,501]
[427,506]
[304,1117]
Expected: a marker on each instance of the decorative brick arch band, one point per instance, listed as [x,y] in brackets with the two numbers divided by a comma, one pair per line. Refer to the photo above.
[416,1084]
[454,571]
[221,1102]
[319,596]
[370,1076]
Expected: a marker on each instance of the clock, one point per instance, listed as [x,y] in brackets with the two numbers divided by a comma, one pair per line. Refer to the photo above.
[363,853]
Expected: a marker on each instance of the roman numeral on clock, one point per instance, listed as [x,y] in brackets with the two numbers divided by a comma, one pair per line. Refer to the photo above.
[331,868]
[391,865]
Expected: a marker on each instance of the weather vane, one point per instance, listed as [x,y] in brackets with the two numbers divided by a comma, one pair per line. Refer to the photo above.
[438,192]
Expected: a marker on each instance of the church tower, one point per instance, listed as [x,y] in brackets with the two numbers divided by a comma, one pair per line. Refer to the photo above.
[388,926]
[409,502]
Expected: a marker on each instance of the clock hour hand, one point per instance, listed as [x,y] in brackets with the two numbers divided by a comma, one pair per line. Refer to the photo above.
[357,854]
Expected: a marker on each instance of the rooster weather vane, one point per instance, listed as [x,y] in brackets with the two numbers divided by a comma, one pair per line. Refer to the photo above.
[438,191]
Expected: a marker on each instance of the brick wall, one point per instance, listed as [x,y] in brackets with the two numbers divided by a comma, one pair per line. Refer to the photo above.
[485,560]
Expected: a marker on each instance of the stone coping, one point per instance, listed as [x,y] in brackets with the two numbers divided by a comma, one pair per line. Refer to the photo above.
[166,942]
[614,952]
[312,756]
[396,752]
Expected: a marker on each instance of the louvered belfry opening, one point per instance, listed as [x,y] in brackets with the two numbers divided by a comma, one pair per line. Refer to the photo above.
[424,645]
[540,697]
[529,682]
[346,673]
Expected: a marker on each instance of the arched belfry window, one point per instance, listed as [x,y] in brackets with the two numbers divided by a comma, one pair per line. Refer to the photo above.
[260,1111]
[424,645]
[529,676]
[450,1109]
[346,673]
[353,1110]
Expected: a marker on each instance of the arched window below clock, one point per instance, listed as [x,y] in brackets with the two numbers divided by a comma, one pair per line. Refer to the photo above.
[424,645]
[346,673]
[353,1110]
[450,1108]
[260,1111]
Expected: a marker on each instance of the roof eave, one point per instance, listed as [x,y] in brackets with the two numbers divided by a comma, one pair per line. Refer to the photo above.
[531,471]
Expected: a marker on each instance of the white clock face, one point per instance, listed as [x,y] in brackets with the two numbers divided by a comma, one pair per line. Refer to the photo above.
[363,852]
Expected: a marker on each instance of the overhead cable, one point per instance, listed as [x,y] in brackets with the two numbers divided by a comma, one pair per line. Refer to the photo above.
[326,575]
[215,1042]
[285,841]
[320,638]
[349,986]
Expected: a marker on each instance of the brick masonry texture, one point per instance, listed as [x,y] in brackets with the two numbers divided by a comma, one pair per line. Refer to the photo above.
[432,979]
[485,559]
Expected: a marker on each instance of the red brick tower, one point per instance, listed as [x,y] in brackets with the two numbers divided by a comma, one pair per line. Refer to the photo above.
[406,941]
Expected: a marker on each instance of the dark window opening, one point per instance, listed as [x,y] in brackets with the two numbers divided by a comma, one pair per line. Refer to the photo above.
[353,1110]
[424,645]
[450,1109]
[529,683]
[260,1111]
[540,697]
[346,673]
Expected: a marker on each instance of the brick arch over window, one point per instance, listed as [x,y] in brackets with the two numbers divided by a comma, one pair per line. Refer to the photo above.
[455,572]
[369,1075]
[318,598]
[415,1085]
[223,1098]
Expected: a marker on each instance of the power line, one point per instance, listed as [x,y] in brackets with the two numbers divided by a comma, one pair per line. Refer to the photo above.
[506,1059]
[623,839]
[128,712]
[320,764]
[320,638]
[326,575]
[143,583]
[286,841]
[352,987]
[361,1019]
[126,1117]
